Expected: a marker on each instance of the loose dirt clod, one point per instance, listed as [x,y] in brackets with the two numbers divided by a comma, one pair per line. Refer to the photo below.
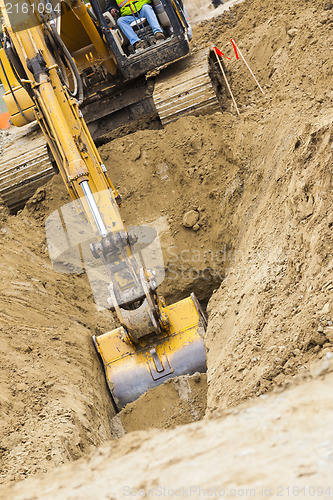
[190,218]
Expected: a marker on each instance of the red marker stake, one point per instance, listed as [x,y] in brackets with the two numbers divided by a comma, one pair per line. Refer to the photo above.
[226,81]
[221,53]
[237,49]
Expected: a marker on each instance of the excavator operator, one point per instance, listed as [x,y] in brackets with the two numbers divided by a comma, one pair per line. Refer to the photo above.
[127,12]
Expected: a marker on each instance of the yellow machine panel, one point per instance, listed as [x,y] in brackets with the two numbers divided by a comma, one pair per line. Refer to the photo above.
[19,104]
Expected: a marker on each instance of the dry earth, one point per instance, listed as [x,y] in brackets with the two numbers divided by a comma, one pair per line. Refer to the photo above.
[279,446]
[259,189]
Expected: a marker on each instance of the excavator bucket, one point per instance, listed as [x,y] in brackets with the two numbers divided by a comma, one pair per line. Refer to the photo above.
[133,369]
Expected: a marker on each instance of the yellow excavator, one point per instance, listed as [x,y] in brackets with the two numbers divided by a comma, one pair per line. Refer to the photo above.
[115,88]
[56,57]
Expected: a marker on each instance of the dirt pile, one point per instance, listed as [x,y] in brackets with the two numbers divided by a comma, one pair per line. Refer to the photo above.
[277,445]
[178,401]
[271,313]
[52,391]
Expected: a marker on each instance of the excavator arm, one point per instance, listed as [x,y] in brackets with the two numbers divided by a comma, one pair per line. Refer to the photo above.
[154,341]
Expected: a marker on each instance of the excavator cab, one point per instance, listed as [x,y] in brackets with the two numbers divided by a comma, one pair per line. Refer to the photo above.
[173,20]
[143,30]
[115,88]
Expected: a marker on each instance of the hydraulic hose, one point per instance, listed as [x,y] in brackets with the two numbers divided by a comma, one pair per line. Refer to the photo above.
[57,39]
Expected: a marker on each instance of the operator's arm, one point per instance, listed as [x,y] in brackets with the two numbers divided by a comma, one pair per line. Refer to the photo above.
[113,8]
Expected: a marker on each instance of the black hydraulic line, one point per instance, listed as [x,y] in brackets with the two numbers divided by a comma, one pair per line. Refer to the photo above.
[145,35]
[69,59]
[19,77]
[136,22]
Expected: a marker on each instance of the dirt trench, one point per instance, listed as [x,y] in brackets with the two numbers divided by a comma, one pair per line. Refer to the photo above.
[243,209]
[55,405]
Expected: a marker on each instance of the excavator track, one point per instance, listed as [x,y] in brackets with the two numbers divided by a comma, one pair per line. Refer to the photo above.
[185,88]
[24,166]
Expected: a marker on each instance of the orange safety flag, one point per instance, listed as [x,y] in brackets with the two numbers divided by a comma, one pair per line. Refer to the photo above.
[219,53]
[4,120]
[235,47]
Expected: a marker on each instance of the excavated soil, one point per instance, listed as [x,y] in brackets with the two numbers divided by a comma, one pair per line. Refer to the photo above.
[243,206]
[178,401]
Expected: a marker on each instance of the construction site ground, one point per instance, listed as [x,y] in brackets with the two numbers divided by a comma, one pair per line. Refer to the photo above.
[243,205]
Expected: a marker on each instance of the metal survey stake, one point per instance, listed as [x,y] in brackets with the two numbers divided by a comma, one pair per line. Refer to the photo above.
[248,67]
